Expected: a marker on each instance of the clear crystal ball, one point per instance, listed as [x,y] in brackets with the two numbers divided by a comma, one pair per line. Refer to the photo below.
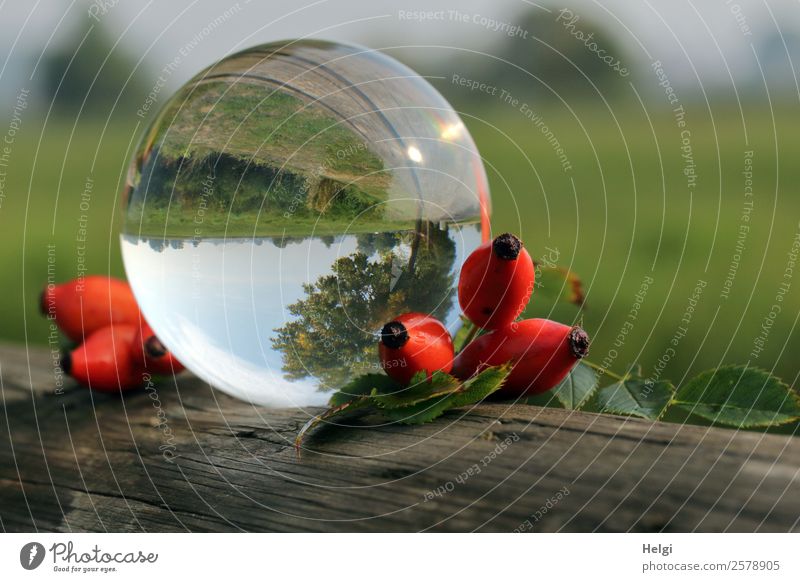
[286,203]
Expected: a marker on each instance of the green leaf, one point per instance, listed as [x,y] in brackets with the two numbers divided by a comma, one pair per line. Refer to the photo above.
[559,283]
[360,404]
[637,397]
[479,387]
[423,401]
[363,385]
[577,387]
[463,334]
[739,396]
[419,390]
[468,332]
[470,392]
[421,412]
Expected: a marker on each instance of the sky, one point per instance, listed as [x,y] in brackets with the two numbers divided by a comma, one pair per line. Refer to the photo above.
[705,41]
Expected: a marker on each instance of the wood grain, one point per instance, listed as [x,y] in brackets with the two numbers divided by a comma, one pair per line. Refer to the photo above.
[76,461]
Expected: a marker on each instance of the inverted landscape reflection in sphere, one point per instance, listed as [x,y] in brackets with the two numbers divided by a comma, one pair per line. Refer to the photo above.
[286,203]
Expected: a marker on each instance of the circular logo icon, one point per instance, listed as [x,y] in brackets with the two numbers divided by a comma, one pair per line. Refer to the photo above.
[31,555]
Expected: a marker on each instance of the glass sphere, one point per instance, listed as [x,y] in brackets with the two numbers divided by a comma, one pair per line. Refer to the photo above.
[286,203]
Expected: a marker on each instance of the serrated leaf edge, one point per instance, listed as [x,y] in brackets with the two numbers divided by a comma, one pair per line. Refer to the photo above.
[791,394]
[463,387]
[658,417]
[588,395]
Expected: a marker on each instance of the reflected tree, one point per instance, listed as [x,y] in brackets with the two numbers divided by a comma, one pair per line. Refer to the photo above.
[333,333]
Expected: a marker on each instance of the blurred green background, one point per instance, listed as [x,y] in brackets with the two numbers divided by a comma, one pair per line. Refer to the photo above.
[621,214]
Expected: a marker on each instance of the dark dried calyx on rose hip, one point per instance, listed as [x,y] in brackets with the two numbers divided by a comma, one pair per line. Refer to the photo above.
[579,342]
[394,335]
[154,347]
[507,247]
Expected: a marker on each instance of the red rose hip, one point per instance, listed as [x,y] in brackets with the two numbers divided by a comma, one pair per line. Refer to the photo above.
[82,306]
[105,362]
[415,342]
[151,355]
[496,282]
[542,353]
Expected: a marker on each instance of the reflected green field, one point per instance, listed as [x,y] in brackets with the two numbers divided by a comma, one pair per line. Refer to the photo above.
[623,215]
[217,145]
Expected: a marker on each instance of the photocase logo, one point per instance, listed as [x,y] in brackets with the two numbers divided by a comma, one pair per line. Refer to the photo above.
[31,555]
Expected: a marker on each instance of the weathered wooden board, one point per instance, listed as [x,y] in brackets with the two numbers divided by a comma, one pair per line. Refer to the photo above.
[78,461]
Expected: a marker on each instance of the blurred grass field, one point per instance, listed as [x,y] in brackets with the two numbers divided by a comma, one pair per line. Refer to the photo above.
[631,216]
[621,215]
